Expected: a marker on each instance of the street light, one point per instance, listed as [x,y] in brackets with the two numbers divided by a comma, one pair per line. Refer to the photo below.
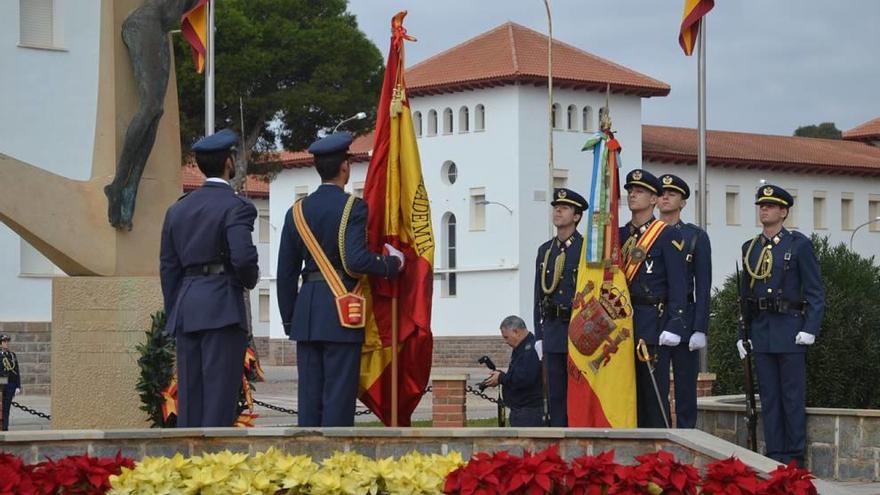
[876,219]
[484,202]
[357,116]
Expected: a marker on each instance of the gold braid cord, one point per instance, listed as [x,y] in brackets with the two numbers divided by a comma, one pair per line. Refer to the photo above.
[764,266]
[343,225]
[558,266]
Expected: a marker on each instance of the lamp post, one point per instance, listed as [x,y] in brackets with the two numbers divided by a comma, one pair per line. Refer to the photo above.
[876,219]
[484,202]
[357,116]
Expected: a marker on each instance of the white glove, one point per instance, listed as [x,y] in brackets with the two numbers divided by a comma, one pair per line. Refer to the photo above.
[18,391]
[393,251]
[804,338]
[539,348]
[669,339]
[698,341]
[742,348]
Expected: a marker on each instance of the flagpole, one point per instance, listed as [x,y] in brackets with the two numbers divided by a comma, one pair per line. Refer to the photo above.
[394,360]
[702,214]
[550,165]
[209,73]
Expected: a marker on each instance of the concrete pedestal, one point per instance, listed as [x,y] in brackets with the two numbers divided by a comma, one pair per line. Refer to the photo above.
[97,322]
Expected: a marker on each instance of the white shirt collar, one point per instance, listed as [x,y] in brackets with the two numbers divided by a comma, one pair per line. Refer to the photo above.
[217,179]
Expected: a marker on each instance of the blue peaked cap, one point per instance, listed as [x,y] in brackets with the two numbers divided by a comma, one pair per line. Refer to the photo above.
[332,143]
[219,141]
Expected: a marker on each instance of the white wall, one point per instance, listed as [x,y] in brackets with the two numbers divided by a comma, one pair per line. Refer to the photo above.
[55,90]
[23,297]
[727,239]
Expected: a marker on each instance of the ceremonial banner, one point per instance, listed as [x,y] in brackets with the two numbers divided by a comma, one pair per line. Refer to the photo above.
[694,10]
[399,214]
[194,27]
[601,353]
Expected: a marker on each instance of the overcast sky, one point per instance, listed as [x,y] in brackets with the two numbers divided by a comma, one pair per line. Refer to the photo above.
[772,64]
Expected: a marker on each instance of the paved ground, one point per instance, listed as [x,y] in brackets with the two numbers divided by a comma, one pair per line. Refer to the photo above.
[280,390]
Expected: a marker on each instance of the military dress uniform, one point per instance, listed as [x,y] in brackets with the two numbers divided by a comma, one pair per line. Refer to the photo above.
[658,295]
[327,354]
[522,389]
[207,260]
[698,258]
[10,369]
[785,301]
[556,268]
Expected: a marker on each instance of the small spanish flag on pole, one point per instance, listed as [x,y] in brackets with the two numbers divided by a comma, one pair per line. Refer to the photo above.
[194,26]
[694,10]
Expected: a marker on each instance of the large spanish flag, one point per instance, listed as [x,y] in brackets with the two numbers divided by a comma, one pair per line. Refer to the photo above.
[694,10]
[601,353]
[399,214]
[194,26]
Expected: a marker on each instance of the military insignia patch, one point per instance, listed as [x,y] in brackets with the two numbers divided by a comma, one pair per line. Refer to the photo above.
[637,175]
[562,194]
[678,245]
[528,347]
[768,191]
[667,179]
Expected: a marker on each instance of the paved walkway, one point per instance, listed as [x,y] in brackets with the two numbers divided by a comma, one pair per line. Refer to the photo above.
[280,389]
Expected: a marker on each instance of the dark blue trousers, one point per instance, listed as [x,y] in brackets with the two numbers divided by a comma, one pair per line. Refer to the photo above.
[685,367]
[557,387]
[782,383]
[209,369]
[328,382]
[524,417]
[649,415]
[8,394]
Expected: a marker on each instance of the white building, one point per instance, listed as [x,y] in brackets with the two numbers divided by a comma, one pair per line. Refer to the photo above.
[480,111]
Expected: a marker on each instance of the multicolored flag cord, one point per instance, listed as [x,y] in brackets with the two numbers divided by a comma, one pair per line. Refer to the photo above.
[601,378]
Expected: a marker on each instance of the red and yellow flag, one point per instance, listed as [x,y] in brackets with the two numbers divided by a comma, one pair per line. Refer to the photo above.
[399,214]
[601,354]
[194,26]
[694,10]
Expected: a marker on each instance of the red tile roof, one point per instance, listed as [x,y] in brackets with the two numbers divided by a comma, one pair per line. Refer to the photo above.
[869,131]
[361,150]
[513,53]
[255,186]
[744,150]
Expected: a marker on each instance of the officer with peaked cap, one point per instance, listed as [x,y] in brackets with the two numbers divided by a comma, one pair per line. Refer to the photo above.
[685,357]
[655,269]
[207,262]
[11,371]
[785,301]
[325,246]
[556,269]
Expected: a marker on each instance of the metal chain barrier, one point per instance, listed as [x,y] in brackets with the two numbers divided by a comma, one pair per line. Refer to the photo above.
[481,395]
[31,411]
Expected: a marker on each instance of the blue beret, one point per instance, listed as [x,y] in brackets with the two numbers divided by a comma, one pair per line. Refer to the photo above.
[675,183]
[332,143]
[564,196]
[219,141]
[642,178]
[770,194]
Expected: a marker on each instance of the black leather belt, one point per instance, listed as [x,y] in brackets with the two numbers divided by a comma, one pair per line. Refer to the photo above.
[556,312]
[206,269]
[774,304]
[643,300]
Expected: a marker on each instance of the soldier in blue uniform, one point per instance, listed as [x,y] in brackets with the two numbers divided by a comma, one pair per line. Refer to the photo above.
[207,260]
[522,390]
[9,369]
[655,266]
[785,301]
[555,282]
[698,257]
[328,354]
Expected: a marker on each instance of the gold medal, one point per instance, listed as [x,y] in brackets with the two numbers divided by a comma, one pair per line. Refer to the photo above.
[637,254]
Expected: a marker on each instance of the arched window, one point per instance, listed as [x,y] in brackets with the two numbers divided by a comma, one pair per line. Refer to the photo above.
[449,243]
[588,119]
[447,121]
[432,122]
[479,117]
[554,117]
[464,124]
[571,122]
[417,123]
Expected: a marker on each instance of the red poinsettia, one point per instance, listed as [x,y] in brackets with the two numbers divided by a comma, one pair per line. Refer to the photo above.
[730,477]
[593,475]
[78,475]
[633,480]
[537,474]
[788,480]
[484,474]
[673,477]
[15,477]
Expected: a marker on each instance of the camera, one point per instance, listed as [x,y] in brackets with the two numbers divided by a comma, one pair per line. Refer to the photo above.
[485,360]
